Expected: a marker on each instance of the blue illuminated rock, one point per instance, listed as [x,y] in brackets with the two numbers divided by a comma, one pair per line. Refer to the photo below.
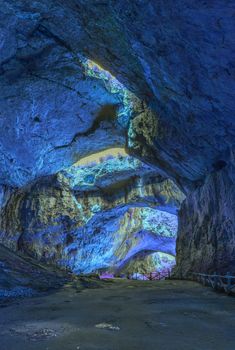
[206,238]
[103,169]
[52,93]
[56,105]
[21,277]
[178,56]
[112,238]
[90,225]
[156,77]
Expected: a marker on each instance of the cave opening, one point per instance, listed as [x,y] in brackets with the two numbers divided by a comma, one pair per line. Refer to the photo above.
[104,206]
[126,209]
[117,163]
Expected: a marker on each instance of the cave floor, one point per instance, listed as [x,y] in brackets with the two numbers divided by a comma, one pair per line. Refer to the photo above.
[167,315]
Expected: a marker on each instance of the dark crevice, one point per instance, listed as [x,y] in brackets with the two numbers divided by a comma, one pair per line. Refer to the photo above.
[219,165]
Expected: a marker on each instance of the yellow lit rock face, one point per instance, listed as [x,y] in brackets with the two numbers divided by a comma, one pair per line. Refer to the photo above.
[98,214]
[88,231]
[148,262]
[104,170]
[93,65]
[100,156]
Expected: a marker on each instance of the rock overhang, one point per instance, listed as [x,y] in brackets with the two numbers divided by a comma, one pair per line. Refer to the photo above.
[73,222]
[43,48]
[178,70]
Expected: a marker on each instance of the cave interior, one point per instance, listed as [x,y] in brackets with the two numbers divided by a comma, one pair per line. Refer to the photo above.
[117,143]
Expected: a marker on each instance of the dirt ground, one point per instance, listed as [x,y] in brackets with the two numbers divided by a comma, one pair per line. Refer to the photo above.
[121,315]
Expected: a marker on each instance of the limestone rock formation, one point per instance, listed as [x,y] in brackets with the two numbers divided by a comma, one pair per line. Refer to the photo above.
[148,262]
[93,216]
[206,238]
[82,76]
[20,276]
[171,63]
[111,239]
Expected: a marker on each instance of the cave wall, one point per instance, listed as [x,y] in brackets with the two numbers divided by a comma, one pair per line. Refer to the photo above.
[206,237]
[22,276]
[171,62]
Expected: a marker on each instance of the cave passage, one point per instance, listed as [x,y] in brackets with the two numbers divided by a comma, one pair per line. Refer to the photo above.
[107,214]
[117,163]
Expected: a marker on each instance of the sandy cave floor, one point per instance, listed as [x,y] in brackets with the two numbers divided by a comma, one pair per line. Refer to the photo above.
[121,315]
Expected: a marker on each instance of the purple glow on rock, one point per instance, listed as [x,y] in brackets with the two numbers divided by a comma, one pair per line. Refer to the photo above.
[106,275]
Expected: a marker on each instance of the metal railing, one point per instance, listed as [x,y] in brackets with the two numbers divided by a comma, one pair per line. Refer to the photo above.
[151,276]
[224,283]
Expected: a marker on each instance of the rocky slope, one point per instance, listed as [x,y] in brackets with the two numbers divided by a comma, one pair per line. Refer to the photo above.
[21,276]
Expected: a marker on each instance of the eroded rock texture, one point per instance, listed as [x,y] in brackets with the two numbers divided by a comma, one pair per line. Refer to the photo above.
[94,216]
[176,55]
[148,262]
[206,238]
[20,276]
[82,76]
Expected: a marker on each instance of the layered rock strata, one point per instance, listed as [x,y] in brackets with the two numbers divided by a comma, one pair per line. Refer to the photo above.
[121,209]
